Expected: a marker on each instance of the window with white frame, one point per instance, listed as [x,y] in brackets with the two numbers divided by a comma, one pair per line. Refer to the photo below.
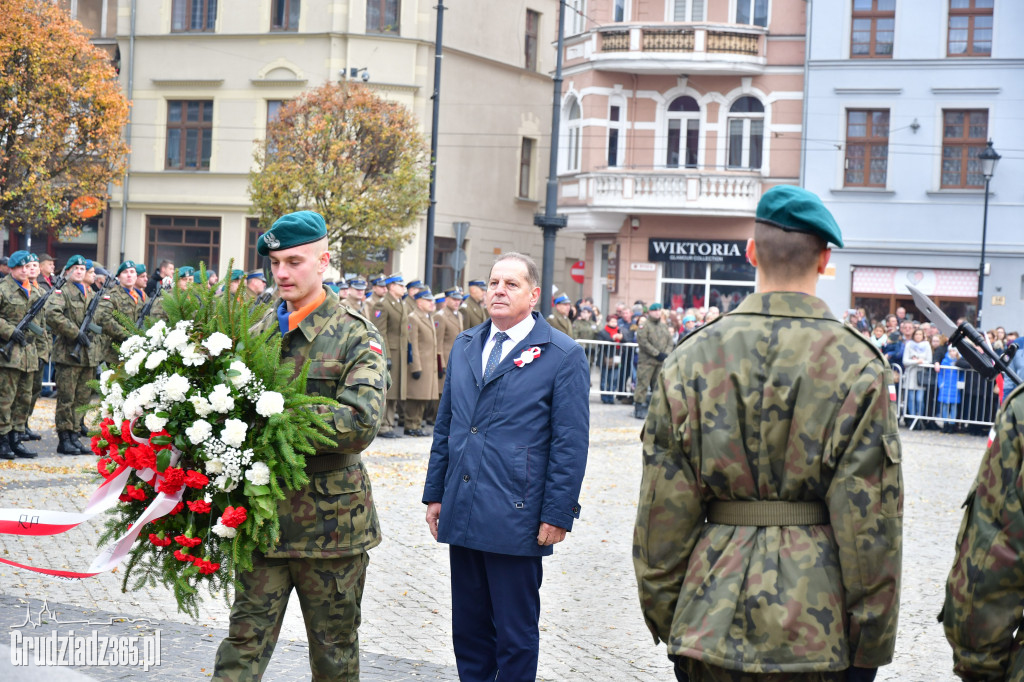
[683,118]
[526,154]
[753,12]
[616,133]
[746,133]
[576,13]
[573,133]
[619,10]
[687,10]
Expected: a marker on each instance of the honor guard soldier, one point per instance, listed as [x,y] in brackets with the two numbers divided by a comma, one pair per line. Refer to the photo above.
[17,369]
[654,339]
[123,299]
[357,295]
[392,319]
[559,317]
[425,367]
[186,275]
[44,343]
[449,325]
[411,289]
[377,292]
[769,527]
[65,312]
[329,525]
[235,280]
[141,281]
[255,284]
[473,310]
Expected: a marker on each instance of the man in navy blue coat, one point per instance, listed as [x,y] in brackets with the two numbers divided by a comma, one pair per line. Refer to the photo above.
[506,467]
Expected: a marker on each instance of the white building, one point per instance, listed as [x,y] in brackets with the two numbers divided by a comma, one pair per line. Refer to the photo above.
[902,95]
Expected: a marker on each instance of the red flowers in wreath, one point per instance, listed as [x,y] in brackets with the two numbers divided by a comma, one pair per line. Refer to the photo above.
[233,517]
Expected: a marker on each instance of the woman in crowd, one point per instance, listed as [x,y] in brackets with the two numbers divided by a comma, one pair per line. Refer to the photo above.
[949,388]
[917,355]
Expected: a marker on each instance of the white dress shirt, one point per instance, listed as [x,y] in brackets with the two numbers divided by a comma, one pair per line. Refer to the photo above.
[516,334]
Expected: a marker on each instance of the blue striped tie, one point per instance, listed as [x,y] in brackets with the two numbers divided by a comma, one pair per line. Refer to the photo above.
[495,357]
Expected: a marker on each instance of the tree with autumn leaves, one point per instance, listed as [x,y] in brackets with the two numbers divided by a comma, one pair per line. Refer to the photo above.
[61,118]
[355,158]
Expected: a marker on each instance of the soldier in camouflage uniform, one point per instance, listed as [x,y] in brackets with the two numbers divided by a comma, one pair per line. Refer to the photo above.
[124,299]
[473,310]
[985,589]
[65,311]
[328,526]
[43,342]
[654,338]
[769,527]
[17,370]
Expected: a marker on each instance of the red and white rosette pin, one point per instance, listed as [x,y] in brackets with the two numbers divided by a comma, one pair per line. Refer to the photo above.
[527,356]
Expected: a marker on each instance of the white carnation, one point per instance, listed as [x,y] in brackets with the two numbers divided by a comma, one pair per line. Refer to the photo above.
[131,407]
[134,362]
[270,403]
[199,431]
[201,405]
[131,345]
[146,395]
[105,380]
[233,433]
[258,474]
[225,483]
[155,423]
[224,531]
[155,358]
[175,388]
[244,375]
[176,340]
[221,399]
[217,343]
[214,466]
[191,356]
[157,331]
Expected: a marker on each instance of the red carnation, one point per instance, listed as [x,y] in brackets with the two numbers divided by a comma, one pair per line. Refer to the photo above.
[177,508]
[233,517]
[187,541]
[98,445]
[207,567]
[126,432]
[174,479]
[103,466]
[136,493]
[182,556]
[109,433]
[140,457]
[124,498]
[199,506]
[159,541]
[194,479]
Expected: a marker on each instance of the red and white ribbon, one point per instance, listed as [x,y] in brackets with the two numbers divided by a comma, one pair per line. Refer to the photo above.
[527,356]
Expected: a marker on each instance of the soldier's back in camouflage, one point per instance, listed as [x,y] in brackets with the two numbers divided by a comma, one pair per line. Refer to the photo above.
[985,589]
[768,532]
[17,370]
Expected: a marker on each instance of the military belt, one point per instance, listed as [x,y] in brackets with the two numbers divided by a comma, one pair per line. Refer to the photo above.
[331,462]
[767,513]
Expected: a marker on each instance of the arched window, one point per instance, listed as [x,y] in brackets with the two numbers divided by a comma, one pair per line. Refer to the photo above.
[683,132]
[573,131]
[746,133]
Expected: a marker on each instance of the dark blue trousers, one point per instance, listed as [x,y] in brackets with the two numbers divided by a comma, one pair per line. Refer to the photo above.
[495,615]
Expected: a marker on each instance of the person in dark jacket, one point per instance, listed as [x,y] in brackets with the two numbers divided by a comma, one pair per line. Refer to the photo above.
[505,472]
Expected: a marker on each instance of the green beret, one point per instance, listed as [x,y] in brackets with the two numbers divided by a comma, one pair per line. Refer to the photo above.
[655,306]
[186,271]
[76,260]
[125,265]
[293,229]
[237,274]
[17,259]
[140,268]
[794,209]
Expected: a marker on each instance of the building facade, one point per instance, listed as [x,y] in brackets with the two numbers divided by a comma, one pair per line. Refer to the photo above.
[205,76]
[903,95]
[677,115]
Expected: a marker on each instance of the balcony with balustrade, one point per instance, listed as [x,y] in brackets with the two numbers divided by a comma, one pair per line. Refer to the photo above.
[713,49]
[663,191]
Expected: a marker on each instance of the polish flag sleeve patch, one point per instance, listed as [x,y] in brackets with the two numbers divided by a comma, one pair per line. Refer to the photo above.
[375,347]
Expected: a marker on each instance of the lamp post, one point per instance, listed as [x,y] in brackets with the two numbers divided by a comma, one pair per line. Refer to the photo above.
[989,158]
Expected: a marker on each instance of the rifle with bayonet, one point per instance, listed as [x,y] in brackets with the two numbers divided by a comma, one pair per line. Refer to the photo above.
[973,346]
[28,321]
[87,324]
[148,306]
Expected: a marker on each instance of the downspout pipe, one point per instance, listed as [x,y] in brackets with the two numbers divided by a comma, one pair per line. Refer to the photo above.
[128,134]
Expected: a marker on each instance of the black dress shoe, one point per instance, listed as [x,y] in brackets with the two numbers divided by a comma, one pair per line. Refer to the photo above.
[417,433]
[390,433]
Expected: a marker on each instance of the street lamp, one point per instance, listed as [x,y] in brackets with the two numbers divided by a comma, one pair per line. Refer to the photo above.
[989,158]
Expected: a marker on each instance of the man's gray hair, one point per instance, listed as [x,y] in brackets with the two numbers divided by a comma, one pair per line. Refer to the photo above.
[532,274]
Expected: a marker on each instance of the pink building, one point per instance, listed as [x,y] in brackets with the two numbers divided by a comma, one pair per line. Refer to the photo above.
[677,115]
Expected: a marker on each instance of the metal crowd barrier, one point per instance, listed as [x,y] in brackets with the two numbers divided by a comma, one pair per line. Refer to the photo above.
[952,395]
[612,368]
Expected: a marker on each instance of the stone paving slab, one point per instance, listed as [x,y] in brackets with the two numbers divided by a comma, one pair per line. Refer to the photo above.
[590,621]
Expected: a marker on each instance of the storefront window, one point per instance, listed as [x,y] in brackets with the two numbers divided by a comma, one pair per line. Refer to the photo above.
[699,285]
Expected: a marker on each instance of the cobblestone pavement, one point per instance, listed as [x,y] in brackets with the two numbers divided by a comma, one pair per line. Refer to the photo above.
[591,625]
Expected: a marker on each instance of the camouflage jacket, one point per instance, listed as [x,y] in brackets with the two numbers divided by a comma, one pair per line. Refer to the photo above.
[561,323]
[65,310]
[775,401]
[114,332]
[14,303]
[985,588]
[653,337]
[44,342]
[473,313]
[333,515]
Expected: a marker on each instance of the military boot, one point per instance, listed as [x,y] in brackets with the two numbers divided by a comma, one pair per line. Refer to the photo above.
[640,411]
[5,448]
[65,446]
[82,449]
[83,430]
[17,448]
[31,435]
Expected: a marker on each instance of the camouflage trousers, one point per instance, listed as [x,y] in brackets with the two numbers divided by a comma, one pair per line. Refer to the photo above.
[646,375]
[73,392]
[15,397]
[37,390]
[692,670]
[330,593]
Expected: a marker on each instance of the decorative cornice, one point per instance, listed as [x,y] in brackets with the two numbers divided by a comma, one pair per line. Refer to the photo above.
[278,82]
[188,82]
[868,91]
